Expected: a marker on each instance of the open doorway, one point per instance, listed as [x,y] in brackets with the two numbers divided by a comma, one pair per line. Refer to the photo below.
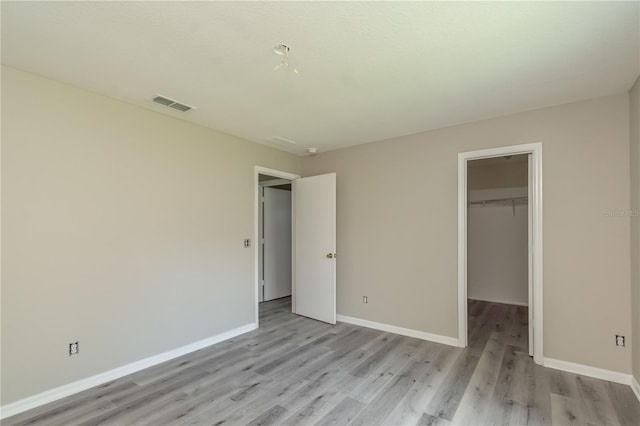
[533,153]
[274,283]
[497,251]
[274,245]
[313,243]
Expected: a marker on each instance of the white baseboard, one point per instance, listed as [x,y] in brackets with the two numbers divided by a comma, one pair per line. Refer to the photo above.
[445,340]
[99,379]
[635,387]
[586,370]
[504,302]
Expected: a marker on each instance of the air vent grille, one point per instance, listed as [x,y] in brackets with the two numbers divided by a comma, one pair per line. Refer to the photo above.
[172,103]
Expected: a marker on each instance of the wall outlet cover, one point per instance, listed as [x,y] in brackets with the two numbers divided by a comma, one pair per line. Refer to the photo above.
[74,348]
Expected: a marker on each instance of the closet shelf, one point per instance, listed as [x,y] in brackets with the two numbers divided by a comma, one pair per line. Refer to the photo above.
[500,201]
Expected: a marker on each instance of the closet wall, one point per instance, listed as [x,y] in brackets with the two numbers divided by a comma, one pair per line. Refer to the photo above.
[497,232]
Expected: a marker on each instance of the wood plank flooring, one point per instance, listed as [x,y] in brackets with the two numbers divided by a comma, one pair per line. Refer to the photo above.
[297,371]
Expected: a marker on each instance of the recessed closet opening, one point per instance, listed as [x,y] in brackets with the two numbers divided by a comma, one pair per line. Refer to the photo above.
[498,232]
[274,244]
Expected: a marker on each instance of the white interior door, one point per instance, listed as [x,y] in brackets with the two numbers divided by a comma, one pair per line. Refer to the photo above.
[277,243]
[315,247]
[530,252]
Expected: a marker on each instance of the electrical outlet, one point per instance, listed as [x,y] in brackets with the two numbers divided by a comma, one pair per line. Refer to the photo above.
[247,243]
[365,299]
[619,340]
[74,348]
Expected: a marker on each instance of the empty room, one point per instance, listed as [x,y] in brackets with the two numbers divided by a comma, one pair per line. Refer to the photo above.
[315,213]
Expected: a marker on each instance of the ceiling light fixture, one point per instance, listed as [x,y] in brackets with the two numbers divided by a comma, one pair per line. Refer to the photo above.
[283,50]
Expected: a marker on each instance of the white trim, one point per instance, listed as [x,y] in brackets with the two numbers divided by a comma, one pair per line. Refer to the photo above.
[462,251]
[535,149]
[530,255]
[445,340]
[258,170]
[635,387]
[504,302]
[536,252]
[99,379]
[586,370]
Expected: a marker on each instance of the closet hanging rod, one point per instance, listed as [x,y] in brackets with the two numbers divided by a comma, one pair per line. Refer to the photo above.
[499,201]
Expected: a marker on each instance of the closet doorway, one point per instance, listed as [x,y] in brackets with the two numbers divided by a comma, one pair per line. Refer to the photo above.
[497,249]
[497,259]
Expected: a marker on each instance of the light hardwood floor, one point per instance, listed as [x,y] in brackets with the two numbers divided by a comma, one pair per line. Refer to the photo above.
[297,371]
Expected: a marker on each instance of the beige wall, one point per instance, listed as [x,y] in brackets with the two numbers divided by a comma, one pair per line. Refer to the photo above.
[397,225]
[635,223]
[484,174]
[122,228]
[497,249]
[497,261]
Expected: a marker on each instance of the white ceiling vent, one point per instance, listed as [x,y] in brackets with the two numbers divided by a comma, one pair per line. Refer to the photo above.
[281,141]
[172,103]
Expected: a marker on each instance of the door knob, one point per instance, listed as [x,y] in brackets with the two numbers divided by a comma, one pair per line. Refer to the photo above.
[331,255]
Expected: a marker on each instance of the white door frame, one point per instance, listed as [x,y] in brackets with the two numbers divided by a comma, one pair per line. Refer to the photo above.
[258,170]
[535,243]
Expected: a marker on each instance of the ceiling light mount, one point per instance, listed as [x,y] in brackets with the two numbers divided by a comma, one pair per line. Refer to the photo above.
[283,50]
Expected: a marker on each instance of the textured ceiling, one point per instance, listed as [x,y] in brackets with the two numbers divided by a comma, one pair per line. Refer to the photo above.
[368,70]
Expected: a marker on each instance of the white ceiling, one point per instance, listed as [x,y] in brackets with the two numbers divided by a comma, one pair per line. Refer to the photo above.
[368,70]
